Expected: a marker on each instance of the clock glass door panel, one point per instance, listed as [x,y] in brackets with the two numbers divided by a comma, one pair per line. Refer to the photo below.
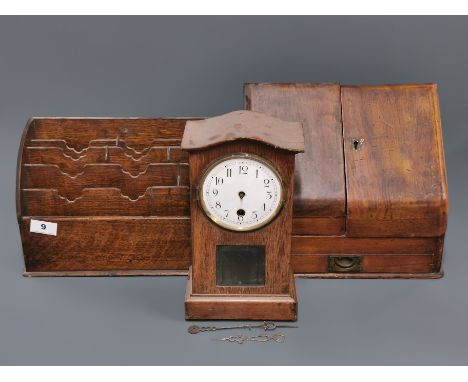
[240,265]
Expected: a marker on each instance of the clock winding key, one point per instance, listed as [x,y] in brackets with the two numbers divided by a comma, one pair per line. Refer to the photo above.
[270,325]
[265,325]
[240,339]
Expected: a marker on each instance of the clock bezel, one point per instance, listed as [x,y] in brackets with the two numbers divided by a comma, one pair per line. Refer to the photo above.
[213,218]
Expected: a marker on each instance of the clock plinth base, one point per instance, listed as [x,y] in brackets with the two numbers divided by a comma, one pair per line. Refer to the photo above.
[240,307]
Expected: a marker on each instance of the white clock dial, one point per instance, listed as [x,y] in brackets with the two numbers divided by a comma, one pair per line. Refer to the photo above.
[241,192]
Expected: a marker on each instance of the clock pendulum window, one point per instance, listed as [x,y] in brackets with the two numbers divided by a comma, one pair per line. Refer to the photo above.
[241,180]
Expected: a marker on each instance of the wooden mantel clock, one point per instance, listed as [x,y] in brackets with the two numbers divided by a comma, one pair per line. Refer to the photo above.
[241,181]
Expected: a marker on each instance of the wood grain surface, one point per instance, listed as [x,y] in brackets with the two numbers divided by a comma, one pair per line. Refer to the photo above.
[107,175]
[108,243]
[242,307]
[318,226]
[396,183]
[275,236]
[243,124]
[371,263]
[106,154]
[156,201]
[137,133]
[319,179]
[350,245]
[111,144]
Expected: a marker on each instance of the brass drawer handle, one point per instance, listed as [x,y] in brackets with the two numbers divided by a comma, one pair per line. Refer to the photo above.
[343,264]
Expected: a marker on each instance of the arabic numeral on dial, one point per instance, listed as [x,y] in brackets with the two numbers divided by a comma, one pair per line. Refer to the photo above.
[254,215]
[219,180]
[228,172]
[243,170]
[218,204]
[215,191]
[264,206]
[240,218]
[227,213]
[256,173]
[270,196]
[266,182]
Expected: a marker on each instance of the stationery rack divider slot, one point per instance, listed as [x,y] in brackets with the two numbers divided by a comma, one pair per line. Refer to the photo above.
[103,167]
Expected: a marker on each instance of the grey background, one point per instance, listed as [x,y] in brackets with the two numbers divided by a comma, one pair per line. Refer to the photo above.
[179,66]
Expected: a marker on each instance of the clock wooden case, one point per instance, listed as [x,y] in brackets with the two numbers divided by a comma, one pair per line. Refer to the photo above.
[242,165]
